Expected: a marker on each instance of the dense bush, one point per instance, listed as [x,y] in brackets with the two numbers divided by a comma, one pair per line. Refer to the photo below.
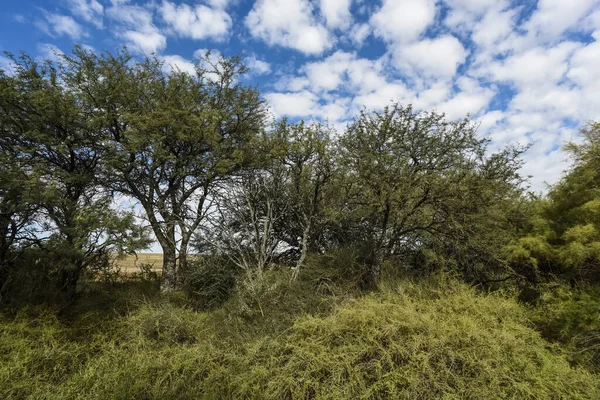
[570,317]
[425,339]
[210,280]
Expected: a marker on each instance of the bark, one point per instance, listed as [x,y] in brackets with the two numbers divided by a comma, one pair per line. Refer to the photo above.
[68,282]
[183,251]
[303,249]
[168,282]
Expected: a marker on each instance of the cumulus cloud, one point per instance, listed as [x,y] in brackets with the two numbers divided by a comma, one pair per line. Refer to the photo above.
[198,22]
[336,13]
[403,20]
[135,25]
[62,25]
[256,66]
[553,17]
[89,10]
[178,63]
[288,23]
[537,66]
[298,104]
[437,58]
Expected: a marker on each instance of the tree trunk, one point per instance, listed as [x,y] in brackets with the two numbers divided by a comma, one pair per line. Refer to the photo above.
[303,250]
[68,282]
[4,277]
[183,251]
[168,282]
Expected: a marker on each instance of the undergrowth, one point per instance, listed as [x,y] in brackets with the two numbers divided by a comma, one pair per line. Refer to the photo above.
[318,337]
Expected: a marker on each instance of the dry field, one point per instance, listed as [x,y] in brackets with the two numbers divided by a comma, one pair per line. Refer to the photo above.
[131,264]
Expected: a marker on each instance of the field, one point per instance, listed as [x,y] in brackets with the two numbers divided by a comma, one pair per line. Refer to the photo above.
[131,264]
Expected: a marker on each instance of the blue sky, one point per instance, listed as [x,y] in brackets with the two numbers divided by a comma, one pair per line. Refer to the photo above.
[529,71]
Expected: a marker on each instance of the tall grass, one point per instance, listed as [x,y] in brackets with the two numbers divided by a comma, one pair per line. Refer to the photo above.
[315,338]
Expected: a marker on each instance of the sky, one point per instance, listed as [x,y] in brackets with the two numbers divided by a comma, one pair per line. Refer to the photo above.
[527,71]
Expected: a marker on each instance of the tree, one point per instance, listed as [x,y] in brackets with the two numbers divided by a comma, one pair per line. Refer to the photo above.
[574,208]
[51,134]
[18,207]
[413,178]
[172,136]
[309,164]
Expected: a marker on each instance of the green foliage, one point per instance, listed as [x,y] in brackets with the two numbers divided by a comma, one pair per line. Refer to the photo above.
[413,180]
[56,142]
[570,317]
[433,338]
[165,323]
[399,192]
[35,354]
[416,344]
[210,280]
[171,137]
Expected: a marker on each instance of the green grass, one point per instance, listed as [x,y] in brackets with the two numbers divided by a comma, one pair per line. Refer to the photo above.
[316,338]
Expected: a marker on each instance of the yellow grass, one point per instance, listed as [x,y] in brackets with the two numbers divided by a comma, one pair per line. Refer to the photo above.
[131,264]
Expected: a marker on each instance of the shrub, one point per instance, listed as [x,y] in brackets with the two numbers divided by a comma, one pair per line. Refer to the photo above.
[210,280]
[166,323]
[415,344]
[35,353]
[570,317]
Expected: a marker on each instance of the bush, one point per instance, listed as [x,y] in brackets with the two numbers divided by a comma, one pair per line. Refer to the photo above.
[165,323]
[210,280]
[415,344]
[434,338]
[570,317]
[35,353]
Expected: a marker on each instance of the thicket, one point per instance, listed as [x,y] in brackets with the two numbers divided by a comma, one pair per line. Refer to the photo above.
[400,258]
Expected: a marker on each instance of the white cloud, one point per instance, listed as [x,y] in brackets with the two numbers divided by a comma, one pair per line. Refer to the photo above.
[403,20]
[89,10]
[493,27]
[553,17]
[300,104]
[47,51]
[328,74]
[63,25]
[135,25]
[359,33]
[437,58]
[176,62]
[336,13]
[383,96]
[199,22]
[288,23]
[292,83]
[147,42]
[585,65]
[6,65]
[256,66]
[220,3]
[471,99]
[534,67]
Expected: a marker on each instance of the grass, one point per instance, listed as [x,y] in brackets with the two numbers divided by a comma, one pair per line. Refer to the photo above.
[315,338]
[130,264]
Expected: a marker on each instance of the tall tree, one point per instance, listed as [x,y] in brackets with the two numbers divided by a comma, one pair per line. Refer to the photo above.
[574,208]
[51,133]
[413,177]
[19,207]
[172,136]
[309,162]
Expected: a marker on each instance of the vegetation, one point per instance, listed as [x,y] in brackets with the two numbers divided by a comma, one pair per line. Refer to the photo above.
[400,258]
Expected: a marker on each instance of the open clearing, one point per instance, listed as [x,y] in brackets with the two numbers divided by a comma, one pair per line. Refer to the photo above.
[131,264]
